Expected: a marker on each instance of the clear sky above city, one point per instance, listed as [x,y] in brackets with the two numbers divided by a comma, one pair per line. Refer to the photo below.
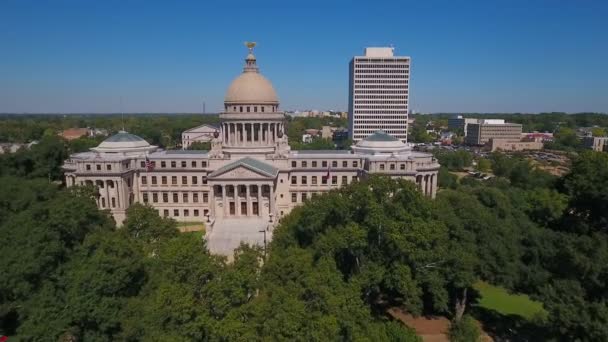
[170,56]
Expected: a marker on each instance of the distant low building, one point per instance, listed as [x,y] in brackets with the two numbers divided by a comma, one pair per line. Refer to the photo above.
[457,122]
[94,132]
[340,134]
[537,136]
[74,133]
[327,132]
[202,133]
[512,145]
[599,144]
[306,138]
[480,133]
[14,147]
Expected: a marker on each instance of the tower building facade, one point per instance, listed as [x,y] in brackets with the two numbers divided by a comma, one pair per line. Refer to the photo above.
[378,94]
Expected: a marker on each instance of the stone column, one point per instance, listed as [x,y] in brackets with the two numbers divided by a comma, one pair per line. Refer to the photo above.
[225,212]
[259,198]
[271,204]
[107,195]
[248,197]
[252,136]
[433,186]
[211,203]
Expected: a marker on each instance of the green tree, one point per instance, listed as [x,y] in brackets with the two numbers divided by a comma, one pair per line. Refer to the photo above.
[465,330]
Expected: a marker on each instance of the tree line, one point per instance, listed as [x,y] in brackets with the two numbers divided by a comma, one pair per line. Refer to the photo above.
[334,267]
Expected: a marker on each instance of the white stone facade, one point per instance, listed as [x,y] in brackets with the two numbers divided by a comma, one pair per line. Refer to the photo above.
[250,171]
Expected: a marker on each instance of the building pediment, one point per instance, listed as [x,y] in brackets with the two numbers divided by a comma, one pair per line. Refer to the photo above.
[246,168]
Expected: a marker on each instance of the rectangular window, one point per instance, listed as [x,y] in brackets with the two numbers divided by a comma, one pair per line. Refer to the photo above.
[184,163]
[163,164]
[195,197]
[313,180]
[293,163]
[163,180]
[88,167]
[184,180]
[103,202]
[204,179]
[354,178]
[402,166]
[175,198]
[165,197]
[203,164]
[344,180]
[154,180]
[155,197]
[382,167]
[145,197]
[108,167]
[175,212]
[294,180]
[195,212]
[144,180]
[324,163]
[173,164]
[294,197]
[142,164]
[334,180]
[194,163]
[304,164]
[334,163]
[98,167]
[314,163]
[355,164]
[304,196]
[304,180]
[392,166]
[185,197]
[345,164]
[186,212]
[113,202]
[174,180]
[166,213]
[205,197]
[323,180]
[194,180]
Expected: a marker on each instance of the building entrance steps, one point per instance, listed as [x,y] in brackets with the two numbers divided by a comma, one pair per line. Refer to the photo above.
[228,233]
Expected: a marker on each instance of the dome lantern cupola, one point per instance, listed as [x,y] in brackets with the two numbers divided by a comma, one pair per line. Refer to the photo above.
[251,92]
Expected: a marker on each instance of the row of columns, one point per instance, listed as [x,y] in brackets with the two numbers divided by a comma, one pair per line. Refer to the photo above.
[241,134]
[427,184]
[253,193]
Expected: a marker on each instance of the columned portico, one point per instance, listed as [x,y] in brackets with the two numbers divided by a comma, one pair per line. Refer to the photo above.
[242,199]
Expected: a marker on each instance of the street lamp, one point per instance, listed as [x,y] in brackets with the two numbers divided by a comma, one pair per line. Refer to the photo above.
[264,232]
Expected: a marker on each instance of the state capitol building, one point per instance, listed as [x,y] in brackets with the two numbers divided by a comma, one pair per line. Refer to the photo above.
[249,179]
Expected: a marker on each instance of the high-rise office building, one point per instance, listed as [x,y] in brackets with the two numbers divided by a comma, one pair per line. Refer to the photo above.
[378,94]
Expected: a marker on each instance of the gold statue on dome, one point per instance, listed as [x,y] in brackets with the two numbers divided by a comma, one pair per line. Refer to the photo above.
[250,46]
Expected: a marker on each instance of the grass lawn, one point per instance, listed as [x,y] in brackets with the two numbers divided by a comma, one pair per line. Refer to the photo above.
[500,300]
[191,226]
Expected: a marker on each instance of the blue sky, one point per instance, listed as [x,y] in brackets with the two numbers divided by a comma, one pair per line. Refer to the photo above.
[170,56]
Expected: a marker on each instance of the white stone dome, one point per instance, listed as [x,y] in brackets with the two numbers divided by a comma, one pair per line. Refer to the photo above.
[123,142]
[251,88]
[381,143]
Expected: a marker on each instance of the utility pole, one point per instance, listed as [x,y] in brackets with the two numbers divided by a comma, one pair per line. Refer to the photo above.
[204,109]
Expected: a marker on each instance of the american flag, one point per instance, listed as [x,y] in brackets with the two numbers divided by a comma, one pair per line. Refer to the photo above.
[149,164]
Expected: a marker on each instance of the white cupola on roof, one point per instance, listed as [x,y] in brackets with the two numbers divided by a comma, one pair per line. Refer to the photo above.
[381,143]
[251,88]
[122,142]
